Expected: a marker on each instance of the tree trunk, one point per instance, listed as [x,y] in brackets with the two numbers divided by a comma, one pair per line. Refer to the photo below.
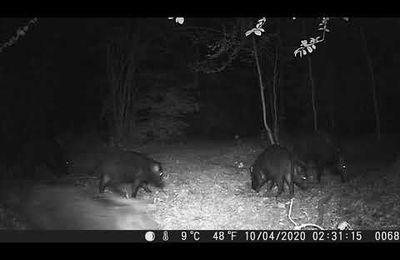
[271,138]
[332,116]
[313,100]
[311,78]
[274,86]
[197,83]
[121,72]
[373,84]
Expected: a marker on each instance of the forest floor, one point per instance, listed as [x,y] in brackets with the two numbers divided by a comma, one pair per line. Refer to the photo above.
[208,188]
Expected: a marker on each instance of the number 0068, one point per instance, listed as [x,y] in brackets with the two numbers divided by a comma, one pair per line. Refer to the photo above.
[387,235]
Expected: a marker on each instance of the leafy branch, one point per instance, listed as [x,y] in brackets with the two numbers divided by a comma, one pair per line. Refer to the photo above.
[20,32]
[258,30]
[306,46]
[309,46]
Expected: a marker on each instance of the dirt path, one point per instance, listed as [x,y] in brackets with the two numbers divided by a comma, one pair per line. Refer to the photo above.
[208,189]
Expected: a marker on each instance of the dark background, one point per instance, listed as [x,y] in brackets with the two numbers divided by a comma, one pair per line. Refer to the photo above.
[53,79]
[56,117]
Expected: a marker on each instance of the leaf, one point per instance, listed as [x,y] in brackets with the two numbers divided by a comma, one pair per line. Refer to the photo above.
[257,32]
[304,52]
[249,32]
[180,20]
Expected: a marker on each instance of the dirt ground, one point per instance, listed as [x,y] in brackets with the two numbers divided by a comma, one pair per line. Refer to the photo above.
[208,187]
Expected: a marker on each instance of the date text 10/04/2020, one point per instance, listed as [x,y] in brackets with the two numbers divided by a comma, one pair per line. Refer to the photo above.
[281,236]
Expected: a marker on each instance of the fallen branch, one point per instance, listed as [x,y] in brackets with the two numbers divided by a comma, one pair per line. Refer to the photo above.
[341,226]
[297,226]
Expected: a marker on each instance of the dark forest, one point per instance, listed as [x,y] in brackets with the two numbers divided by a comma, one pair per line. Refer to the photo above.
[111,106]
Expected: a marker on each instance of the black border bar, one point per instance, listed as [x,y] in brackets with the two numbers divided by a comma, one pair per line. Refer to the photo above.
[199,236]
